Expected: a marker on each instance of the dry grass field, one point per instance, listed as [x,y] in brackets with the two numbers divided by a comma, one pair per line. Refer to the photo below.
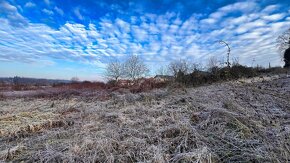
[225,122]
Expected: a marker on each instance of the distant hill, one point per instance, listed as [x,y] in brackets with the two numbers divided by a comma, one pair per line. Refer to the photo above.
[31,81]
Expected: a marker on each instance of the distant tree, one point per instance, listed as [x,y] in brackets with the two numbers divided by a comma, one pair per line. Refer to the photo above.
[162,71]
[134,67]
[195,67]
[236,61]
[114,70]
[283,42]
[179,66]
[181,77]
[75,79]
[16,80]
[213,64]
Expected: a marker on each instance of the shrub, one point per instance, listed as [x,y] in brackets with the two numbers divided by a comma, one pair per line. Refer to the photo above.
[237,71]
[273,70]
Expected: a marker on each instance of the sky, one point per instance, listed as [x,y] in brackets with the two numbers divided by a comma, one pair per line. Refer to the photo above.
[61,39]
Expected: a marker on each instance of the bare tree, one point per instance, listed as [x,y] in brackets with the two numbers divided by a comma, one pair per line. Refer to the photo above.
[236,61]
[162,71]
[135,67]
[180,66]
[283,41]
[213,64]
[195,67]
[114,70]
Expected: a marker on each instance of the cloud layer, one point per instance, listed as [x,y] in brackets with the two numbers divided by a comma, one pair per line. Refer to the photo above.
[159,38]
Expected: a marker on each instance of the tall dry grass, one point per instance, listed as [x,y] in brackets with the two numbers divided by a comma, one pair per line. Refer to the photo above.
[224,122]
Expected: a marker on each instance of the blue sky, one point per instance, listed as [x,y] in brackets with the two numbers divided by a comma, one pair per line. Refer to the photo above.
[62,39]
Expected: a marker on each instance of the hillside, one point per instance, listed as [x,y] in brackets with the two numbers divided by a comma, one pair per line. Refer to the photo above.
[239,121]
[31,81]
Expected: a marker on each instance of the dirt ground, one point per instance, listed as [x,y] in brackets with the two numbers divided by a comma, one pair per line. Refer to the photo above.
[241,121]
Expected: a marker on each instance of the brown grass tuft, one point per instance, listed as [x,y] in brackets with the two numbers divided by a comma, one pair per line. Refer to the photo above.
[25,123]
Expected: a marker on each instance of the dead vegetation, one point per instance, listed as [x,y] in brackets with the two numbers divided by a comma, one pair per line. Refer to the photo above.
[224,122]
[25,123]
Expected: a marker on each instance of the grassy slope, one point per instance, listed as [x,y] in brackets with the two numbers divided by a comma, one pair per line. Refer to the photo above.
[223,122]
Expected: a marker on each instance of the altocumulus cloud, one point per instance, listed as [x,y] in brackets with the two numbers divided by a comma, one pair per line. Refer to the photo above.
[248,27]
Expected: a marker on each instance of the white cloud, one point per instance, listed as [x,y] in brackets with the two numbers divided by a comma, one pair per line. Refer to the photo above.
[271,8]
[209,21]
[123,26]
[48,12]
[47,2]
[29,4]
[12,15]
[7,8]
[39,41]
[246,27]
[59,11]
[274,17]
[243,7]
[78,14]
[157,38]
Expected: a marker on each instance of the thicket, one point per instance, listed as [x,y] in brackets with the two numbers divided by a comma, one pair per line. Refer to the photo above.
[217,74]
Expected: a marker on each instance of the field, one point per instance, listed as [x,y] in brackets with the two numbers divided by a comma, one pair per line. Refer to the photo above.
[236,121]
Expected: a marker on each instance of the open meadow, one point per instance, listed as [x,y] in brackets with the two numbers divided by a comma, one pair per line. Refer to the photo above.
[237,121]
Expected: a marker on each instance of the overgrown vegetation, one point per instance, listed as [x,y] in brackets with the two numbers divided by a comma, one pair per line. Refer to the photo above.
[217,74]
[222,122]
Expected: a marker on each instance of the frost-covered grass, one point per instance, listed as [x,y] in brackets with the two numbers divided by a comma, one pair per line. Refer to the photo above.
[226,122]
